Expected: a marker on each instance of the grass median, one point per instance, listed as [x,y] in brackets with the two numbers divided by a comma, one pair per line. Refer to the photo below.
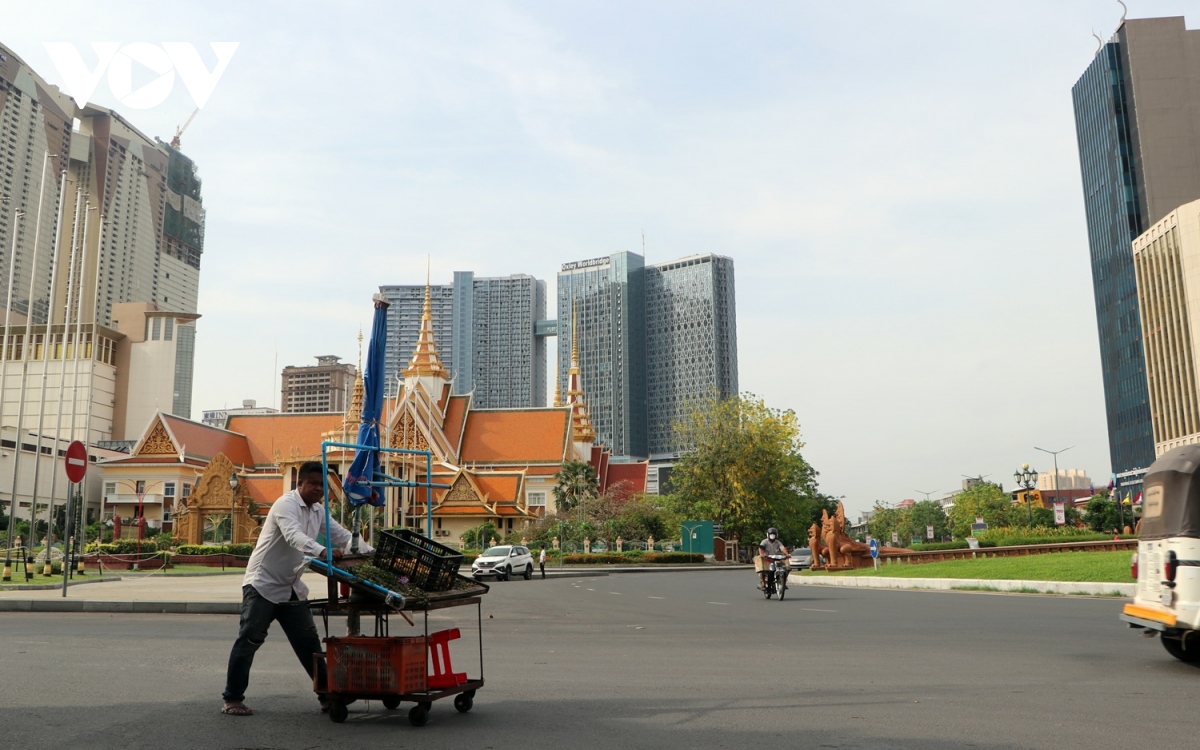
[1104,567]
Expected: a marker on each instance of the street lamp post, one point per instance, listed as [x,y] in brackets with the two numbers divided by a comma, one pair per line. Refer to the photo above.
[1057,497]
[1027,478]
[233,486]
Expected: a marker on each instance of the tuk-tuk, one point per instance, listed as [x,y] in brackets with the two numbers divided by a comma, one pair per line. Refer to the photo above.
[1167,562]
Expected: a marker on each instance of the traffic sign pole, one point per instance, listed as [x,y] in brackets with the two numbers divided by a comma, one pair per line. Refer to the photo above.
[76,462]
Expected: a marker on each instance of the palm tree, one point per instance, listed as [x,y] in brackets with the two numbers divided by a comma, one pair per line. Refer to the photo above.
[574,483]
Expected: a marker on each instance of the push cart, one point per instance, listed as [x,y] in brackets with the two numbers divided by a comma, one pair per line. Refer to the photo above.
[394,670]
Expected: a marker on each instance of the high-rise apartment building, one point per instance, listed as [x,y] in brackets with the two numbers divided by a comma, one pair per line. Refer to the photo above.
[93,215]
[497,352]
[1137,113]
[495,348]
[323,387]
[603,302]
[405,305]
[691,343]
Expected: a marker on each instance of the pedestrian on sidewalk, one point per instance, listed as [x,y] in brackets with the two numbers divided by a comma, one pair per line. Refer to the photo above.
[542,562]
[272,590]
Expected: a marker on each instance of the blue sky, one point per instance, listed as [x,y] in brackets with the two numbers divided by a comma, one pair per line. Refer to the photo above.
[897,183]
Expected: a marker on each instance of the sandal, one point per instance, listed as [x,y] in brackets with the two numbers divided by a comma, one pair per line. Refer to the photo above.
[237,709]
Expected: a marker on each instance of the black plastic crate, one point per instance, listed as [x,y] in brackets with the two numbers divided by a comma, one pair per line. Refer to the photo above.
[425,563]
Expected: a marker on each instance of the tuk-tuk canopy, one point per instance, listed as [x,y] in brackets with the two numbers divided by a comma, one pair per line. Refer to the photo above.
[1171,495]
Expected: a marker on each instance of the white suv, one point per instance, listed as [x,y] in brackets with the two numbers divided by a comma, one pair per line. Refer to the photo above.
[504,561]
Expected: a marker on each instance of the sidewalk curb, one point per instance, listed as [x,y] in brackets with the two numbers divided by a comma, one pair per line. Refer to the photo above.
[81,605]
[950,584]
[52,586]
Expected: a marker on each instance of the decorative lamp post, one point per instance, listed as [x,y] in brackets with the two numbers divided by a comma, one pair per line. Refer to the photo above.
[233,486]
[1027,478]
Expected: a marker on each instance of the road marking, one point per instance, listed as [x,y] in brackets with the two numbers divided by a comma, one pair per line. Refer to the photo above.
[723,604]
[591,589]
[615,593]
[806,609]
[656,597]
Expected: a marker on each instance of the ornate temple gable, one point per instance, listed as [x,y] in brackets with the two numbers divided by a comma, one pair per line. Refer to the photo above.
[157,441]
[212,496]
[406,434]
[411,427]
[463,492]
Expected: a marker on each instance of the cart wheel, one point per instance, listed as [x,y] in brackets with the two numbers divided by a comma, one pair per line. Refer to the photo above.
[418,715]
[391,702]
[463,702]
[338,711]
[470,694]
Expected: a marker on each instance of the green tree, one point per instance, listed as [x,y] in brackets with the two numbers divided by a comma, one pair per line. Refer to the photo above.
[574,484]
[883,522]
[480,536]
[1102,514]
[915,520]
[985,501]
[745,470]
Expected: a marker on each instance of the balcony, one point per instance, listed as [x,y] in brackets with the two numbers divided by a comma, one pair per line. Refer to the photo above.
[132,499]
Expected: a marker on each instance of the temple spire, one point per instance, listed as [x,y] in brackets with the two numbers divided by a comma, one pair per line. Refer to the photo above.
[425,360]
[354,412]
[581,420]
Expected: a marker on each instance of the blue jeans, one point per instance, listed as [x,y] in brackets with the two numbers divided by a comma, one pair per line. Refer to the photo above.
[257,615]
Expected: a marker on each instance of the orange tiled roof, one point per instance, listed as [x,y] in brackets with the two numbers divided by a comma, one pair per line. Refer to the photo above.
[264,489]
[515,436]
[634,473]
[504,488]
[267,433]
[460,510]
[206,442]
[456,416]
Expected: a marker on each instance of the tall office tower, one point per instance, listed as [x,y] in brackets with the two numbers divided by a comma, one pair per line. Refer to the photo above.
[487,331]
[691,343]
[323,387]
[405,306]
[1137,113]
[603,302]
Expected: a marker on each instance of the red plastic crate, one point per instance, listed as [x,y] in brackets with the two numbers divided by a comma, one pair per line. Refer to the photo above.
[376,666]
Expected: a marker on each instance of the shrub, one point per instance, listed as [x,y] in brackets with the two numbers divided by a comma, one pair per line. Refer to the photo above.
[201,549]
[674,557]
[596,558]
[241,550]
[960,544]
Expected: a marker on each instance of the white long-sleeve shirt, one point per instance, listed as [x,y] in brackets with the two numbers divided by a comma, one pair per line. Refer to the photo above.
[287,536]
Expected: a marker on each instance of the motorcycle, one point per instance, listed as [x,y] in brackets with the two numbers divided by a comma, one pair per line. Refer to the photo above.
[776,578]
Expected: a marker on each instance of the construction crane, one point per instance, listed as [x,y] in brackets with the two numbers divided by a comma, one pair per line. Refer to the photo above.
[179,130]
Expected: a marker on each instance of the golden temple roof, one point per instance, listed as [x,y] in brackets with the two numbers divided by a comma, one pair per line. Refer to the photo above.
[425,359]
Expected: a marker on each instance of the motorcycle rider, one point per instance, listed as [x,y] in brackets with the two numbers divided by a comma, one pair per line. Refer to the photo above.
[769,546]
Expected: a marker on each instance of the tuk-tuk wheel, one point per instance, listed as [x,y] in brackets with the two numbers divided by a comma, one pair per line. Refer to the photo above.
[1174,647]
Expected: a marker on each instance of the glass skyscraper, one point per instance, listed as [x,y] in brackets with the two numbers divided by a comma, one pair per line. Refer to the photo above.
[691,343]
[603,301]
[652,340]
[1137,112]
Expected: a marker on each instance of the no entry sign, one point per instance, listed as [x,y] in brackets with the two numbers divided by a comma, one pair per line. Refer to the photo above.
[76,461]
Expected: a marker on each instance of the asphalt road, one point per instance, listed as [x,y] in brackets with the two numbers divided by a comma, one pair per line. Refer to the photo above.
[687,660]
